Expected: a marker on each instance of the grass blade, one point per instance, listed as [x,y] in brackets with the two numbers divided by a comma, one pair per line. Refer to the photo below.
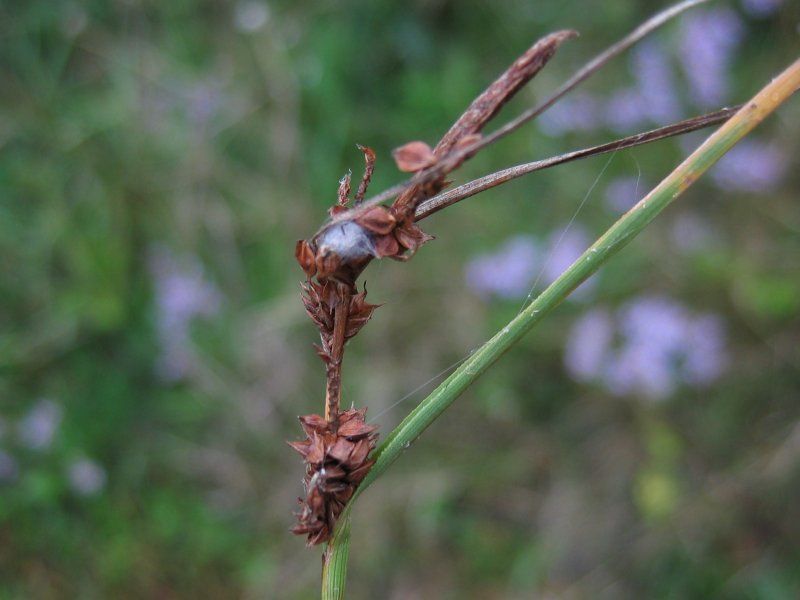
[617,237]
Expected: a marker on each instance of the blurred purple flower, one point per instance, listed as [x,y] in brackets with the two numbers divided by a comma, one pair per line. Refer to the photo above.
[181,294]
[706,355]
[38,428]
[639,369]
[761,8]
[518,264]
[652,320]
[623,192]
[751,166]
[661,345]
[9,469]
[708,40]
[86,477]
[564,246]
[581,112]
[203,101]
[588,343]
[507,273]
[625,110]
[691,233]
[655,81]
[652,97]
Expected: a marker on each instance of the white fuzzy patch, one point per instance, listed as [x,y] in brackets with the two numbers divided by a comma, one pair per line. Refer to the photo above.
[348,240]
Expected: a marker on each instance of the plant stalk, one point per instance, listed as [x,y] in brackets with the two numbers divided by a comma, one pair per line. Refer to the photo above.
[333,384]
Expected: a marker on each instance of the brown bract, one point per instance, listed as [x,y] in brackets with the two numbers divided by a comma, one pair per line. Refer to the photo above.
[320,301]
[413,156]
[336,462]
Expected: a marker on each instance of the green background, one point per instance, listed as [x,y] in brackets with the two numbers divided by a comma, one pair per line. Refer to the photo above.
[215,133]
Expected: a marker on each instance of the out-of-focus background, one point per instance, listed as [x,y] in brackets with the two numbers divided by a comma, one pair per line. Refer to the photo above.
[158,161]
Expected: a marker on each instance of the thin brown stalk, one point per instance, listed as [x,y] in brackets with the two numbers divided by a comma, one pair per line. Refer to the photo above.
[369,167]
[333,387]
[450,197]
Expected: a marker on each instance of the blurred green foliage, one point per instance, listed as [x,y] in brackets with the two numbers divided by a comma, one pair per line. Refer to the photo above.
[214,133]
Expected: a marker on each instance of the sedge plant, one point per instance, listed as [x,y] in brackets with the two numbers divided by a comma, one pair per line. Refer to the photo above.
[340,451]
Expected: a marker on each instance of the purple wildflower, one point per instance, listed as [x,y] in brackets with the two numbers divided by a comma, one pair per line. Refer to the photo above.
[86,477]
[691,233]
[708,40]
[507,273]
[581,112]
[38,428]
[638,368]
[652,97]
[182,294]
[623,193]
[588,343]
[655,81]
[705,353]
[660,345]
[653,319]
[761,8]
[751,166]
[519,263]
[626,110]
[203,101]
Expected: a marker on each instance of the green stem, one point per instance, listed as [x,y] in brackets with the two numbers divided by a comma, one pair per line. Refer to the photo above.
[617,237]
[334,563]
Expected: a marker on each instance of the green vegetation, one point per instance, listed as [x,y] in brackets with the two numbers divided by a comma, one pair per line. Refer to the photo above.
[158,162]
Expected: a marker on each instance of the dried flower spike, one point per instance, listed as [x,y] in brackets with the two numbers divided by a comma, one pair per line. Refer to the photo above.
[337,459]
[338,445]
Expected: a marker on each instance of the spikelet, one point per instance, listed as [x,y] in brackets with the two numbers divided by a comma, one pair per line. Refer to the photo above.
[336,462]
[335,451]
